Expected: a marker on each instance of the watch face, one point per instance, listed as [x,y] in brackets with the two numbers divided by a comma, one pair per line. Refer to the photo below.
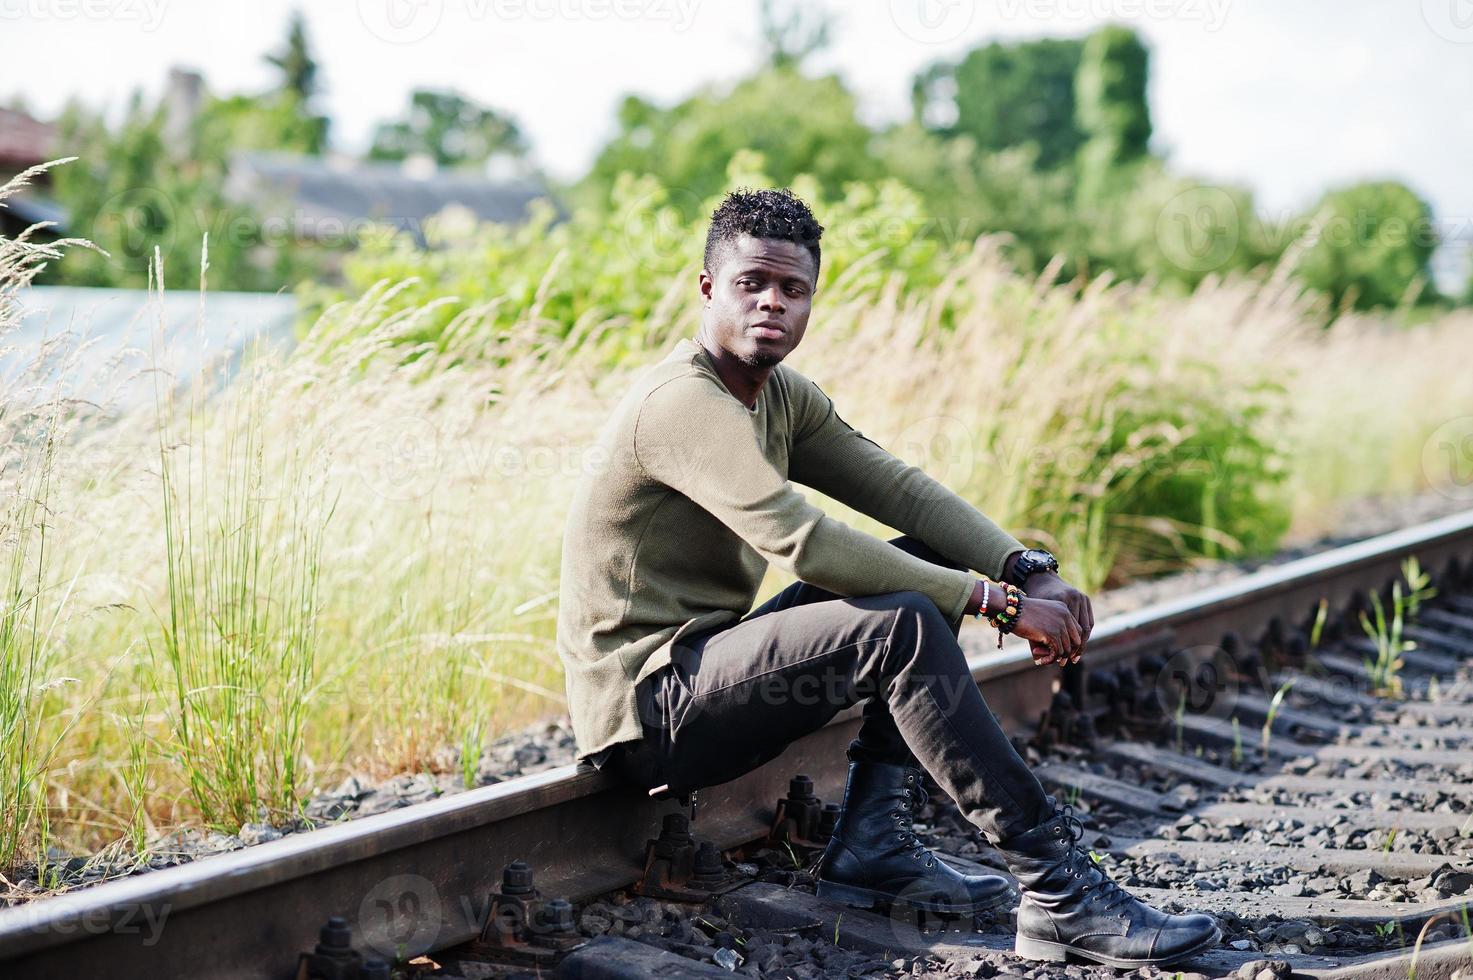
[1035,560]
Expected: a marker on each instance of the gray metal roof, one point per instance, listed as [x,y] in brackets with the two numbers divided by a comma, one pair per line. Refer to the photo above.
[322,197]
[112,332]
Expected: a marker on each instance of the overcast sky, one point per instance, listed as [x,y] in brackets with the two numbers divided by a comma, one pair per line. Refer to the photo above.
[1286,96]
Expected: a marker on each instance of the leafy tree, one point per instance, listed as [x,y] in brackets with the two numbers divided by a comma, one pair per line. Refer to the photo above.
[130,195]
[276,121]
[451,129]
[298,67]
[970,193]
[794,32]
[1173,229]
[1005,95]
[1111,107]
[281,119]
[1370,244]
[799,124]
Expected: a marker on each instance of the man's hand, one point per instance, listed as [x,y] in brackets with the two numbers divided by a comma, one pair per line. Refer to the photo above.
[1048,585]
[1050,629]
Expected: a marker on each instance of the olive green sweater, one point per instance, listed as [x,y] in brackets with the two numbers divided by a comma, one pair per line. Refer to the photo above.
[687,499]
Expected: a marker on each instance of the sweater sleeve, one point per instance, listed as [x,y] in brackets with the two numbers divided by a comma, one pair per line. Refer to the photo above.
[832,457]
[701,443]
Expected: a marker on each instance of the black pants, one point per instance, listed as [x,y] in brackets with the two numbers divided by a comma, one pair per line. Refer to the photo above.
[734,697]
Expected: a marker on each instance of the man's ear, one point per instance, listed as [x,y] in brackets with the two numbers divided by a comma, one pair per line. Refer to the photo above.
[708,283]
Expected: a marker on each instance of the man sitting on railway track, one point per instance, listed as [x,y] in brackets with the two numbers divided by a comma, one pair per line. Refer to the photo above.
[673,679]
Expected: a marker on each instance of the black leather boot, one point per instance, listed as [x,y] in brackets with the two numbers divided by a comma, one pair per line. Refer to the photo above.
[875,856]
[1071,906]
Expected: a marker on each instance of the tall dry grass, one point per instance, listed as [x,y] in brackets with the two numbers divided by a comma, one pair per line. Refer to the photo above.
[347,560]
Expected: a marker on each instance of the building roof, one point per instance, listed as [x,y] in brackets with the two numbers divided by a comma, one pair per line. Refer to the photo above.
[324,198]
[24,142]
[109,338]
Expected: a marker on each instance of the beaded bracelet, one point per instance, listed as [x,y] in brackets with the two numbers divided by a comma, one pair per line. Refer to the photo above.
[1005,619]
[982,609]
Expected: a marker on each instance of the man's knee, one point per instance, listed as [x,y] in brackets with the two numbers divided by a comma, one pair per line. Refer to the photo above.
[925,654]
[915,601]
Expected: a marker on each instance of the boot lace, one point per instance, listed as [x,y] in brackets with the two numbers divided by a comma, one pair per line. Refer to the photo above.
[913,797]
[1081,865]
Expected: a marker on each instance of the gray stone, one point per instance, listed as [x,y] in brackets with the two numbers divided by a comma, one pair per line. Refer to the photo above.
[258,833]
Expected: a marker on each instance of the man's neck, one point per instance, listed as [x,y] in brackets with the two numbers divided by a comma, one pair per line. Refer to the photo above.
[740,379]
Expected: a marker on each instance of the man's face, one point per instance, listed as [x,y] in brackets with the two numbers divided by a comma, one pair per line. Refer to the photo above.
[759,298]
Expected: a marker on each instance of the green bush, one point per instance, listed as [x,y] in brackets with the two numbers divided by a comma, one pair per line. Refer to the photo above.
[621,263]
[1370,245]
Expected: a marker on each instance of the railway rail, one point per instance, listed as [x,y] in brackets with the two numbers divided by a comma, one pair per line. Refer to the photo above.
[1227,756]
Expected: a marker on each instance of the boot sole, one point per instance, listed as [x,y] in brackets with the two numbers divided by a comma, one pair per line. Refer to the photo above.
[1043,949]
[868,898]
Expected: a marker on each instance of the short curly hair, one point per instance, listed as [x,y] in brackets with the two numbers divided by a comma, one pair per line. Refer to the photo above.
[769,213]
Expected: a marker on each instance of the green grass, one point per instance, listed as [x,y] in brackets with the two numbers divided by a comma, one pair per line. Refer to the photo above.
[347,561]
[1274,704]
[1385,631]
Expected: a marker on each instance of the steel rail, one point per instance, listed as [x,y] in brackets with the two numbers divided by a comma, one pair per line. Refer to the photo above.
[431,867]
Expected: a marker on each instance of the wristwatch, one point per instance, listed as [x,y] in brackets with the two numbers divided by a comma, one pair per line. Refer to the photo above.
[1030,562]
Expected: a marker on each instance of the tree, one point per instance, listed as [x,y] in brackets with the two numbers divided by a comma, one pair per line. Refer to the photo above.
[1369,245]
[298,67]
[1006,95]
[131,195]
[1111,107]
[799,124]
[794,33]
[451,129]
[281,119]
